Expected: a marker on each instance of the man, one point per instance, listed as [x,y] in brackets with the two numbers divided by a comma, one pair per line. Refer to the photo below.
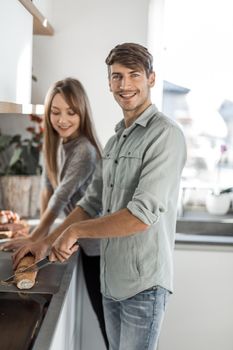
[136,192]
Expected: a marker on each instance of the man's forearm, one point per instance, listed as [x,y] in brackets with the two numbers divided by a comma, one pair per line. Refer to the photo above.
[77,215]
[119,224]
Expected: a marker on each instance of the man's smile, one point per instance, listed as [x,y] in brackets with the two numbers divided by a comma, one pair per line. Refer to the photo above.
[127,95]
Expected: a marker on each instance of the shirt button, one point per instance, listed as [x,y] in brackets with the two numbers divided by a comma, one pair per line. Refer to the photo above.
[108,210]
[111,185]
[116,161]
[124,136]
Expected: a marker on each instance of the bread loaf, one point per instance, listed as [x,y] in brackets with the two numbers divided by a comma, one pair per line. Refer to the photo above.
[5,233]
[25,280]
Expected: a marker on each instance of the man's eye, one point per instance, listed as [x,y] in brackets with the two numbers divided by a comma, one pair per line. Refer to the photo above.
[116,77]
[135,75]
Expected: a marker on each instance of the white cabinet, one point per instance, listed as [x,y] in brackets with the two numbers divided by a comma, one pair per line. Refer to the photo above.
[16,52]
[19,20]
[200,313]
[77,327]
[66,336]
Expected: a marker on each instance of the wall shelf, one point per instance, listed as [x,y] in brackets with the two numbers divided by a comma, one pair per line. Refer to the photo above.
[41,25]
[16,108]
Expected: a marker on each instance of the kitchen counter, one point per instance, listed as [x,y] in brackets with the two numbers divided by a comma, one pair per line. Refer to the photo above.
[48,330]
[59,281]
[212,240]
[204,230]
[53,282]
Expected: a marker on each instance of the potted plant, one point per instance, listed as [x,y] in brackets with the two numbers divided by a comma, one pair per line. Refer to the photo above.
[20,169]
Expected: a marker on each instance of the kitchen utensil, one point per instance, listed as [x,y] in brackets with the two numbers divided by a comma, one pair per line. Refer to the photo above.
[4,240]
[48,280]
[34,267]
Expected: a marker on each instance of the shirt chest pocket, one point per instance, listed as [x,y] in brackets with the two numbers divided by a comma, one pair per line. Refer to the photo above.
[128,169]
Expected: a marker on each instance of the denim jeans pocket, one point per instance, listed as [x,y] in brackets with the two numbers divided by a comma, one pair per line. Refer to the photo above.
[154,293]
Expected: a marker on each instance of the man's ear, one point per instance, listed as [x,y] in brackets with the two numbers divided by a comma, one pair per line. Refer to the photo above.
[151,79]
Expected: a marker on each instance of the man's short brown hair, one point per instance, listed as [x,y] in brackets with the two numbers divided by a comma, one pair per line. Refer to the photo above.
[131,55]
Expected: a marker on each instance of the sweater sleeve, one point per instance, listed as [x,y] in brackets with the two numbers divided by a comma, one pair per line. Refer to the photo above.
[45,183]
[76,174]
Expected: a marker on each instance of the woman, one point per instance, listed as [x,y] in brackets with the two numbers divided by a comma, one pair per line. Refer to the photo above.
[71,152]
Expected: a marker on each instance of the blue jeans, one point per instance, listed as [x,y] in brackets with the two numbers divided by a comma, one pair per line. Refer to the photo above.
[135,323]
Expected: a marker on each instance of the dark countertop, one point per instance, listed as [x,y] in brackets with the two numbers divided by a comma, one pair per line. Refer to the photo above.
[201,214]
[50,321]
[202,239]
[198,227]
[53,281]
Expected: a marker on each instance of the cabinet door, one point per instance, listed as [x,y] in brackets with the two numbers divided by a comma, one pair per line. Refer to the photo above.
[200,312]
[16,30]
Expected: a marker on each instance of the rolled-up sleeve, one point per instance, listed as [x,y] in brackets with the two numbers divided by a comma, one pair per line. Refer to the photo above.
[158,184]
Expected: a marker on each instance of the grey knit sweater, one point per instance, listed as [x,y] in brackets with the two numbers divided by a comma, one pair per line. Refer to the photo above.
[77,161]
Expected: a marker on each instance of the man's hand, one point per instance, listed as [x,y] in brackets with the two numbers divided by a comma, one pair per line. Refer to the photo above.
[39,250]
[64,246]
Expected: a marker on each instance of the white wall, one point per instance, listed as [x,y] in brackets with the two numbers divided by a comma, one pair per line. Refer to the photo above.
[156,46]
[85,32]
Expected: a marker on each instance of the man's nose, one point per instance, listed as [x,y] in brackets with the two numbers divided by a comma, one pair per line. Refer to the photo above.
[125,83]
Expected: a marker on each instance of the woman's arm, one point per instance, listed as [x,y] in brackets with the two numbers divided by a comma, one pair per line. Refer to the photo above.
[40,231]
[47,217]
[45,196]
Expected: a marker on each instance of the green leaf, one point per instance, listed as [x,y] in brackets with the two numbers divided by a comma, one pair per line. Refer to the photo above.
[5,141]
[15,157]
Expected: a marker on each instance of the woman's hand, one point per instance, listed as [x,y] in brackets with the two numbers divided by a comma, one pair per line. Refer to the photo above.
[64,246]
[39,250]
[15,243]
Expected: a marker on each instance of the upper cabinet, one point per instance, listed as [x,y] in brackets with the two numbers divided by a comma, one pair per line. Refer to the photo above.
[19,20]
[41,24]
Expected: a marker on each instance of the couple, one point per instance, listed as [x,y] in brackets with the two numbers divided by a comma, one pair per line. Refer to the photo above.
[128,203]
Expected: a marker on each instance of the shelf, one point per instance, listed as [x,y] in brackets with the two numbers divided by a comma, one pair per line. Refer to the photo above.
[41,25]
[16,108]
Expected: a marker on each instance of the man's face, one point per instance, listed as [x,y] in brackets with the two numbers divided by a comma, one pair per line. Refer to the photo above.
[131,88]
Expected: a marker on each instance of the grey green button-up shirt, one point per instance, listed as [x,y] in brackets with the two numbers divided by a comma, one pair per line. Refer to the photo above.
[141,171]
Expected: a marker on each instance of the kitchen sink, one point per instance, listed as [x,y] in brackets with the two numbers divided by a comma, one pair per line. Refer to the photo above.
[21,315]
[28,318]
[22,311]
[204,227]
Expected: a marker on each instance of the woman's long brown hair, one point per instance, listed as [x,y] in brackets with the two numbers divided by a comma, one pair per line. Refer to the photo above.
[75,96]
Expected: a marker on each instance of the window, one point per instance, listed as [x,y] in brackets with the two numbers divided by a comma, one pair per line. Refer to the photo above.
[198,90]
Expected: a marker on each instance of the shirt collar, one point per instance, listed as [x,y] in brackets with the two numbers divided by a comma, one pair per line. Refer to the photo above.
[142,120]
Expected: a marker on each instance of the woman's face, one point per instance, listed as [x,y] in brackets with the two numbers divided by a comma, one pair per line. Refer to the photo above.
[63,119]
